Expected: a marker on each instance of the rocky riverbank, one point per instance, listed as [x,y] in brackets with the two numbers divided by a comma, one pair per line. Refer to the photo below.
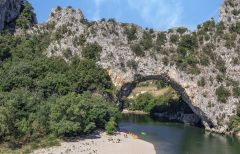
[180,116]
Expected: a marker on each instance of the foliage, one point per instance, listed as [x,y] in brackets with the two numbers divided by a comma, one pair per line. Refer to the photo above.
[67,53]
[75,114]
[165,61]
[174,38]
[221,65]
[181,30]
[132,64]
[220,28]
[236,92]
[161,38]
[222,94]
[91,51]
[112,20]
[189,42]
[110,126]
[131,33]
[136,48]
[42,95]
[234,123]
[147,40]
[27,16]
[202,82]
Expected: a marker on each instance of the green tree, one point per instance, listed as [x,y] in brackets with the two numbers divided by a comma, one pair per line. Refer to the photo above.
[222,94]
[91,51]
[27,16]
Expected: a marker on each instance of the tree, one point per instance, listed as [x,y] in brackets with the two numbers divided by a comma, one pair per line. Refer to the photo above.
[91,51]
[222,94]
[110,126]
[27,16]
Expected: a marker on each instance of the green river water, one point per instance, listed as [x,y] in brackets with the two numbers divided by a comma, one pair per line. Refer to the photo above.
[175,138]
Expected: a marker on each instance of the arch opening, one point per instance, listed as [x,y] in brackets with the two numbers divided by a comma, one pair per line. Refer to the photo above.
[178,109]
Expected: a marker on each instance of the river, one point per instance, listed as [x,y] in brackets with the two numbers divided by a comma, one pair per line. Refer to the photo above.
[176,138]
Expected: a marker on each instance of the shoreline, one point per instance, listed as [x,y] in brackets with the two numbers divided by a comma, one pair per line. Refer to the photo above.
[125,111]
[98,142]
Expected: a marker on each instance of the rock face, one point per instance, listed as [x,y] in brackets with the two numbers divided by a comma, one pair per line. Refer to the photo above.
[9,10]
[229,12]
[191,119]
[118,58]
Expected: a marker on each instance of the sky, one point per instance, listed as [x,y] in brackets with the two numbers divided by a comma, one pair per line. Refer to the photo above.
[156,14]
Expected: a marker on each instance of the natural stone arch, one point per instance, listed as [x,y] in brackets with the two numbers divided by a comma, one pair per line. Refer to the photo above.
[126,90]
[117,53]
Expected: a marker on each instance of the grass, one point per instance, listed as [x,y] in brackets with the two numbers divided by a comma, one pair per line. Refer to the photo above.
[150,89]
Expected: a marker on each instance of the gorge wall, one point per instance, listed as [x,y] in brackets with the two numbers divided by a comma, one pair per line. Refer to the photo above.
[9,10]
[195,63]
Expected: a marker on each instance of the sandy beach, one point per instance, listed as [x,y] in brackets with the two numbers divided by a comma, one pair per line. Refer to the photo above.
[98,143]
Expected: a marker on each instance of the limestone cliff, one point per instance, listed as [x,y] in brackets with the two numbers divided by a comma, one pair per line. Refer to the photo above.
[9,10]
[195,64]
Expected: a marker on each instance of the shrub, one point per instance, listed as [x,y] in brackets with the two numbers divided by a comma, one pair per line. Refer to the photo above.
[91,51]
[238,110]
[132,64]
[202,82]
[220,28]
[67,53]
[165,61]
[131,33]
[161,38]
[235,12]
[235,61]
[110,126]
[229,2]
[34,145]
[204,60]
[208,49]
[137,50]
[236,92]
[146,44]
[112,20]
[174,38]
[207,37]
[222,94]
[181,30]
[27,16]
[234,123]
[189,42]
[221,65]
[219,78]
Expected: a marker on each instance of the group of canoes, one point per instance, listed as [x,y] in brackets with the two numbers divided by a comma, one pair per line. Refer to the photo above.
[134,136]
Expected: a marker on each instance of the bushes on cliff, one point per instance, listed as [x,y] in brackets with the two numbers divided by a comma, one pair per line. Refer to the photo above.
[202,82]
[236,92]
[222,94]
[174,38]
[131,33]
[92,51]
[146,43]
[132,64]
[136,48]
[27,16]
[221,65]
[161,38]
[181,30]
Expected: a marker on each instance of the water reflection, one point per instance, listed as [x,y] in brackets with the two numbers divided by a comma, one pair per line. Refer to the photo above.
[174,138]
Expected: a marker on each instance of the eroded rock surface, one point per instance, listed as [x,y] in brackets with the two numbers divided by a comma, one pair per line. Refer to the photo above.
[9,10]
